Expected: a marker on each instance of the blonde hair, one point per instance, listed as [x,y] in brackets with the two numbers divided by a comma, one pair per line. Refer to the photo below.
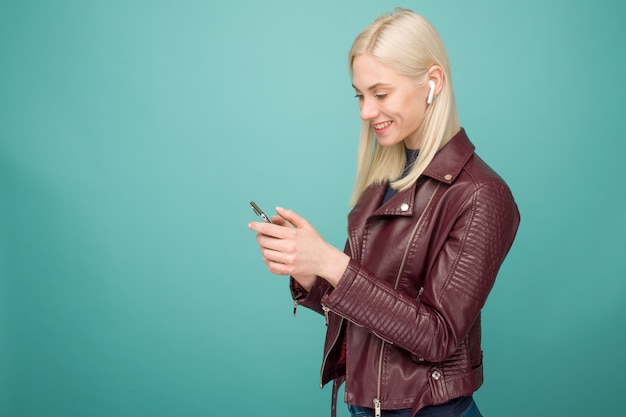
[410,45]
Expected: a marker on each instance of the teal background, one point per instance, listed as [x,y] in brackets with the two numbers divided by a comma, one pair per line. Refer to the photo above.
[133,134]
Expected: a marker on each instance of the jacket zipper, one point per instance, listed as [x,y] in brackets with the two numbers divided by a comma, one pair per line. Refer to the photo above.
[377,404]
[419,294]
[326,310]
[376,400]
[376,407]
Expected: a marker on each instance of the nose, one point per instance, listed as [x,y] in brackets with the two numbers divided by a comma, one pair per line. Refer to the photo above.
[369,111]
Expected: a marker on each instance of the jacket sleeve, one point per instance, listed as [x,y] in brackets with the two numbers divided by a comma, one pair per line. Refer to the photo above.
[462,275]
[310,299]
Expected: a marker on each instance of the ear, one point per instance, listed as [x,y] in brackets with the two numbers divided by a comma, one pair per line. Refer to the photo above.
[436,74]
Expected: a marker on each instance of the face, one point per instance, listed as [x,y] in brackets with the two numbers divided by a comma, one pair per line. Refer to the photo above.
[389,101]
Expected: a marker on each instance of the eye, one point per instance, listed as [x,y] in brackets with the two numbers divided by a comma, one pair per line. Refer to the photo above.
[381,96]
[358,96]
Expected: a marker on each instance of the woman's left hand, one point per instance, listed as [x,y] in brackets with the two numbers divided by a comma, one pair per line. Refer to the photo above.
[298,250]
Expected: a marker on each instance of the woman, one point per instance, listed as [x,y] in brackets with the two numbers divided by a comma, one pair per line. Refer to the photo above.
[430,227]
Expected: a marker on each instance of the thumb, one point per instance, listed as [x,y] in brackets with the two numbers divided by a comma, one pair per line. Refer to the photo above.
[292,217]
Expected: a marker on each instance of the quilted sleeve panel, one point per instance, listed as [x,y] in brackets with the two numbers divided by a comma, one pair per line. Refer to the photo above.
[462,274]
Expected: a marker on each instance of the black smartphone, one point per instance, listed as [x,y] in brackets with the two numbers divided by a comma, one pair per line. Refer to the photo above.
[259,212]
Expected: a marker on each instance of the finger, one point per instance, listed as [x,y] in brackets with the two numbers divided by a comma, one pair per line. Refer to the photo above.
[269,229]
[276,256]
[277,261]
[269,243]
[277,268]
[292,217]
[263,228]
[280,221]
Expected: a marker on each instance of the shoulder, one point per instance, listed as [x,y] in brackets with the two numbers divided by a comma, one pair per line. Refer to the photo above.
[467,177]
[458,163]
[478,184]
[480,174]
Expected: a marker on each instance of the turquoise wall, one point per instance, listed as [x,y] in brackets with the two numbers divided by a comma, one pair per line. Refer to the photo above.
[134,133]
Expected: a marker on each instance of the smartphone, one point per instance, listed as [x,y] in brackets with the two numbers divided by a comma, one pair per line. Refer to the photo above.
[259,212]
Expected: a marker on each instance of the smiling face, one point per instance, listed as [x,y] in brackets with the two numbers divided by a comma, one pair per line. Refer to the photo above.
[391,102]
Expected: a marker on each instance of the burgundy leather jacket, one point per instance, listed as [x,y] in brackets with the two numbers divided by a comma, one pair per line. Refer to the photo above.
[406,312]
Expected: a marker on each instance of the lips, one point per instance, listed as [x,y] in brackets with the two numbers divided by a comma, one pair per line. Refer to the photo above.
[381,126]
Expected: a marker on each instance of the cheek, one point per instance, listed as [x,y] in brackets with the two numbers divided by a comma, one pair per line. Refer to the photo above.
[414,112]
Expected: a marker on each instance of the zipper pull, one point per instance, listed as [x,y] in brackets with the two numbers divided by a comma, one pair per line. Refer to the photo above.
[295,307]
[326,310]
[376,407]
[419,294]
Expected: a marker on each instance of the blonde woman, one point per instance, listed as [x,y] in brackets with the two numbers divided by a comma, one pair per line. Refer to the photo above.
[430,226]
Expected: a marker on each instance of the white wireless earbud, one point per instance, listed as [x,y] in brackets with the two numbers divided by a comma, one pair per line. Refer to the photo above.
[431,93]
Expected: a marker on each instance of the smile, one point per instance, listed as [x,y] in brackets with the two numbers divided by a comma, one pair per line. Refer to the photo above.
[381,126]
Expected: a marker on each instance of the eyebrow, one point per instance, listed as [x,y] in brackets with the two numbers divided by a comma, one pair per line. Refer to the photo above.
[374,87]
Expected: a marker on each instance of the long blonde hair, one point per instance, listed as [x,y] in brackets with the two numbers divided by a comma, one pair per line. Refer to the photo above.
[410,45]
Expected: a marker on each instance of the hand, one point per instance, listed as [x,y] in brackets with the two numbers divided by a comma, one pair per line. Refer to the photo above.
[304,281]
[299,250]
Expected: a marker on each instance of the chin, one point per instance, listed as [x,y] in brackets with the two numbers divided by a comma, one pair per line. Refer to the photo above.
[387,142]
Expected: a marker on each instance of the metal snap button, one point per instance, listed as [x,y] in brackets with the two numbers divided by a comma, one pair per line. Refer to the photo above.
[447,177]
[404,207]
[436,375]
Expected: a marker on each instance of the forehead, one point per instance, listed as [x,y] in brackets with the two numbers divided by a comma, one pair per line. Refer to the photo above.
[367,71]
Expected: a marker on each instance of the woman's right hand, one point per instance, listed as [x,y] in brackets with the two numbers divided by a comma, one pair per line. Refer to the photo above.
[304,281]
[293,247]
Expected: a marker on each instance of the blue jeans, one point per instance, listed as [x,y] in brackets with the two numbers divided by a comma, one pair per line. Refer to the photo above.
[471,411]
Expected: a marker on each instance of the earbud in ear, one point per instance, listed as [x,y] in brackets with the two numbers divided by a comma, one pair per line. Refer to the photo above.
[431,93]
